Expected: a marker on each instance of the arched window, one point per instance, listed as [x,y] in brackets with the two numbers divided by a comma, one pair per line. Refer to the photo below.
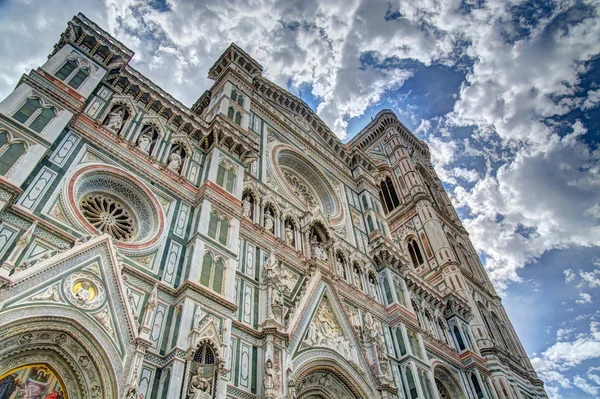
[365,203]
[217,284]
[11,153]
[238,118]
[415,252]
[226,176]
[79,78]
[387,195]
[240,100]
[218,228]
[223,231]
[204,355]
[234,95]
[212,277]
[412,387]
[25,112]
[166,382]
[42,120]
[230,113]
[66,69]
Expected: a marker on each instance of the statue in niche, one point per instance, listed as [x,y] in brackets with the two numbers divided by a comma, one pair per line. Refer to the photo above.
[144,143]
[357,279]
[83,293]
[269,378]
[317,249]
[289,235]
[340,267]
[354,318]
[115,120]
[269,223]
[372,329]
[200,386]
[246,207]
[175,161]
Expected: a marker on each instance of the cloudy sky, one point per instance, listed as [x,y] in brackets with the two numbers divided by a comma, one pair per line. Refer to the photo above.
[505,92]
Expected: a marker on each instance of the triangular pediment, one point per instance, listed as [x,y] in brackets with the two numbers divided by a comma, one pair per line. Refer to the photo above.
[84,281]
[324,325]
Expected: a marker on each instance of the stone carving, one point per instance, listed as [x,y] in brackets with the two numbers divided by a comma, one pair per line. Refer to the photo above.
[115,120]
[51,294]
[144,143]
[108,215]
[83,293]
[324,330]
[270,375]
[103,317]
[317,249]
[300,189]
[268,223]
[175,161]
[247,207]
[200,387]
[289,235]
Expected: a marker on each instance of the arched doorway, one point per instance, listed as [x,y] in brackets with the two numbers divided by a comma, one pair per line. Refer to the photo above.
[323,384]
[55,356]
[446,384]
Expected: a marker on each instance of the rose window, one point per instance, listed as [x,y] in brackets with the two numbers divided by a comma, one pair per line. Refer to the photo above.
[109,200]
[108,216]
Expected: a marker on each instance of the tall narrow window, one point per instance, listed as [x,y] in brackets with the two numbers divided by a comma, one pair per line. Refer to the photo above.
[223,231]
[412,387]
[240,101]
[387,194]
[230,113]
[233,95]
[79,78]
[425,384]
[40,122]
[459,339]
[400,339]
[478,390]
[414,344]
[217,283]
[230,180]
[27,110]
[11,156]
[66,69]
[370,223]
[206,270]
[415,252]
[238,118]
[213,225]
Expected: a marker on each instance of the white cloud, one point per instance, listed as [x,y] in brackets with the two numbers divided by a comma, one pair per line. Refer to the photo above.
[585,386]
[569,275]
[585,298]
[563,333]
[592,100]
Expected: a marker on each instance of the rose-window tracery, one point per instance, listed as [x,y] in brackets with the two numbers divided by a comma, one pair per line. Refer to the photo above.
[108,215]
[300,189]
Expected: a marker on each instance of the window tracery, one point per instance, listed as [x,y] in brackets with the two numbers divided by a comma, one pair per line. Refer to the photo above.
[300,189]
[33,114]
[212,273]
[415,253]
[388,195]
[10,152]
[108,215]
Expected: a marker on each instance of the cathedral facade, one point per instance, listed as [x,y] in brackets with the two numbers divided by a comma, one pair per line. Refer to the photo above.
[234,249]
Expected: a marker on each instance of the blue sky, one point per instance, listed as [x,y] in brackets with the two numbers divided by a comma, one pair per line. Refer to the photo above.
[505,93]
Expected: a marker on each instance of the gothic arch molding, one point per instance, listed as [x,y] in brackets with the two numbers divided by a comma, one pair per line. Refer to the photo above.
[446,383]
[63,345]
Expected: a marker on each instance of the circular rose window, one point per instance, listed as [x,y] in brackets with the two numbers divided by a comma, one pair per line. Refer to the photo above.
[111,201]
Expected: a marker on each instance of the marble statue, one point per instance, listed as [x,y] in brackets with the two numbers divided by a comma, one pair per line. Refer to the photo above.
[269,223]
[83,293]
[200,386]
[115,120]
[269,378]
[289,235]
[246,207]
[175,161]
[144,143]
